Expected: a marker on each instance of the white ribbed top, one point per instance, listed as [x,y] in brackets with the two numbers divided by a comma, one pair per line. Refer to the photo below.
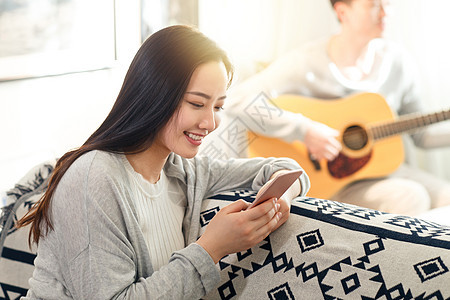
[160,209]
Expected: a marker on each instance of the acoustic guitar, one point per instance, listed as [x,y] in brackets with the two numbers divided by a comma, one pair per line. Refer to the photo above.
[369,133]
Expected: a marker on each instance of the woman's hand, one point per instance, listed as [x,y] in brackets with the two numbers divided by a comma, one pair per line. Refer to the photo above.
[234,229]
[285,200]
[285,209]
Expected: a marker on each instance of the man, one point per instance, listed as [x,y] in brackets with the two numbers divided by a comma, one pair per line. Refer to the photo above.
[357,59]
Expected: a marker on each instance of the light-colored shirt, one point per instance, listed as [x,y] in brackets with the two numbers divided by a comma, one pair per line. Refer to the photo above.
[160,210]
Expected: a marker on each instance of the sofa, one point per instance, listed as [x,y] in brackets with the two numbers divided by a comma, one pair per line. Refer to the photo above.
[326,250]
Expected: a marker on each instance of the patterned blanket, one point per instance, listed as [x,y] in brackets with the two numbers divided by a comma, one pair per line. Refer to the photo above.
[326,250]
[16,259]
[330,250]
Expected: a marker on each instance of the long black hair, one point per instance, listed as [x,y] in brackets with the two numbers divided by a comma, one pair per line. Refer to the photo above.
[151,93]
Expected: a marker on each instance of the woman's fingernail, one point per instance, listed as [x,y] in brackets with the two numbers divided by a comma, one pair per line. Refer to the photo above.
[277,206]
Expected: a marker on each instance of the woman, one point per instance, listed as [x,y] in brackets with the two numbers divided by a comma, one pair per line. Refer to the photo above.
[120,218]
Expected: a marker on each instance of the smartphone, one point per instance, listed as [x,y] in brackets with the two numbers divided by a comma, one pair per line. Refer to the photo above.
[277,187]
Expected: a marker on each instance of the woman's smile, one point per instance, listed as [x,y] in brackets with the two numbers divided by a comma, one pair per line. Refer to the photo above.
[194,138]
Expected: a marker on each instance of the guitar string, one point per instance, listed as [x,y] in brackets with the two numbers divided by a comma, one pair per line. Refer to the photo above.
[407,124]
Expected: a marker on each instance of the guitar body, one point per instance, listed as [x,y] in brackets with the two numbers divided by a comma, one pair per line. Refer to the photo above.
[361,157]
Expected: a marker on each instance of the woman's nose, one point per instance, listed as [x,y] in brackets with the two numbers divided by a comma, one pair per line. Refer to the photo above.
[208,121]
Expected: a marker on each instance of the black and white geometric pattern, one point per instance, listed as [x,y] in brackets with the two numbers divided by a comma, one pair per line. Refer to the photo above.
[16,258]
[326,250]
[331,250]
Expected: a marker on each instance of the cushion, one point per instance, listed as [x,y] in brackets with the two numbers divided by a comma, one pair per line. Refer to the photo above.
[331,250]
[16,260]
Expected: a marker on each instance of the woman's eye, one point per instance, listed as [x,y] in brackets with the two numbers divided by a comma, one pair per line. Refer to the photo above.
[196,104]
[218,108]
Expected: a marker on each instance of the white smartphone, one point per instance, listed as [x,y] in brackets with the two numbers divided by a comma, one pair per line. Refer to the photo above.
[277,187]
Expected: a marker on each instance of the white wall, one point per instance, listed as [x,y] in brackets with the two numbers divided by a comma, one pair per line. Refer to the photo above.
[41,119]
[258,31]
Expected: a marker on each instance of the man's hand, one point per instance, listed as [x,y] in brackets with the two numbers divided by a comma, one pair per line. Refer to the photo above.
[321,142]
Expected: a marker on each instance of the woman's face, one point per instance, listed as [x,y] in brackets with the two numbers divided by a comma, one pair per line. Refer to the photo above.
[199,111]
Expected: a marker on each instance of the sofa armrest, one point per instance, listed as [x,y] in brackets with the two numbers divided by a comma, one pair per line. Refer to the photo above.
[16,259]
[331,250]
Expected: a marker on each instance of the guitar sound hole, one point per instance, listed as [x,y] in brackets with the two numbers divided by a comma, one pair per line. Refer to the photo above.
[355,137]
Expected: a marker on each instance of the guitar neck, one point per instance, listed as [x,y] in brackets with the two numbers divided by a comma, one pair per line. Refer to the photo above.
[407,123]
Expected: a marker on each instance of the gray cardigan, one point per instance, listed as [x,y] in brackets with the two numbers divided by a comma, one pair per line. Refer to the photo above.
[97,250]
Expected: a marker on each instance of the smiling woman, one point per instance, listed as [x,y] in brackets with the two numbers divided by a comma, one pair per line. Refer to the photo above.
[132,221]
[198,114]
